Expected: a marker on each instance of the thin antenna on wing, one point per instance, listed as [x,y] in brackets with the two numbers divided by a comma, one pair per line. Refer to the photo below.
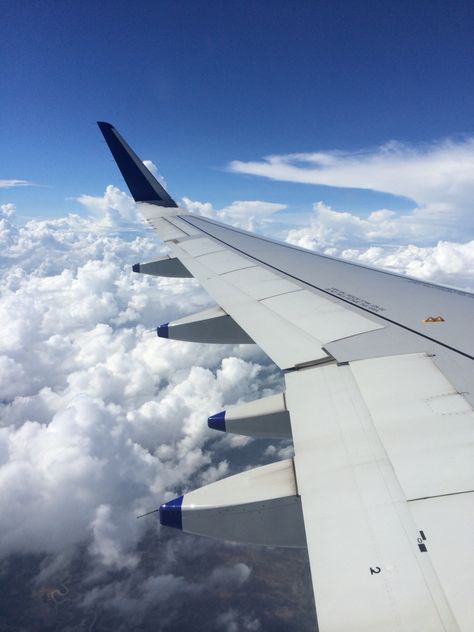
[148,513]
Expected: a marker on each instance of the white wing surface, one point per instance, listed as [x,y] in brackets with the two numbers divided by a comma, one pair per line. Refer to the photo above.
[379,372]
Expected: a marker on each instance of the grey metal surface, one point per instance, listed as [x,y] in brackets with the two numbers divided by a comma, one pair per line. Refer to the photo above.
[165,267]
[400,303]
[274,522]
[401,300]
[218,330]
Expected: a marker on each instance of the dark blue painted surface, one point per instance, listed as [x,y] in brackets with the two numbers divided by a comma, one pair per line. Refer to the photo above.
[143,186]
[217,421]
[162,330]
[136,267]
[170,513]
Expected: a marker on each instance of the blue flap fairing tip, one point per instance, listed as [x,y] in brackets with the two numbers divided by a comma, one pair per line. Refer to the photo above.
[162,331]
[217,421]
[170,513]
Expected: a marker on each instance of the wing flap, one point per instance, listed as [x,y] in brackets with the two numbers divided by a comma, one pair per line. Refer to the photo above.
[427,428]
[446,525]
[367,569]
[320,317]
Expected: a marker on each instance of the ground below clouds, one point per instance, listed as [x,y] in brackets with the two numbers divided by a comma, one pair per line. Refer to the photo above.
[218,587]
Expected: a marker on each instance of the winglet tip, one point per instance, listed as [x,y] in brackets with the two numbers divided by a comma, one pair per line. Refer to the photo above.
[143,186]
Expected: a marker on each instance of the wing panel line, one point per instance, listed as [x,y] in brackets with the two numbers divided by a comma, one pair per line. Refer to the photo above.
[339,298]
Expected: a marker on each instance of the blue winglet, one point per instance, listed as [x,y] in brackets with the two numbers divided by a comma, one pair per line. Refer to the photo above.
[162,331]
[136,267]
[143,186]
[217,421]
[170,513]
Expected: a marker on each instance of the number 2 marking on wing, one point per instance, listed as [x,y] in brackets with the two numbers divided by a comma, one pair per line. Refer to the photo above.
[375,571]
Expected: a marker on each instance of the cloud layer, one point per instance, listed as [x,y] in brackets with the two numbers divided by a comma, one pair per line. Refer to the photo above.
[9,184]
[253,215]
[100,420]
[439,177]
[349,236]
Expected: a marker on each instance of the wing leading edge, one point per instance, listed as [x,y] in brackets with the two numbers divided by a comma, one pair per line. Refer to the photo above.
[378,372]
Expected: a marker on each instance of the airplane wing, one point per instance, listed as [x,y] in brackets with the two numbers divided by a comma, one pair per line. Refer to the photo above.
[379,372]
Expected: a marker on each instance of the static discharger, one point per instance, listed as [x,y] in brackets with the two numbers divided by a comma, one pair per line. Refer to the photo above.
[148,513]
[433,319]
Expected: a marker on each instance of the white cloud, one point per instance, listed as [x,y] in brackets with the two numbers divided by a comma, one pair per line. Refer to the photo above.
[111,208]
[439,177]
[7,210]
[99,420]
[328,227]
[163,589]
[346,235]
[249,215]
[154,170]
[230,576]
[446,262]
[8,184]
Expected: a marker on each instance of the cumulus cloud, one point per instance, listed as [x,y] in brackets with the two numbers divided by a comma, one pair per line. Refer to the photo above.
[439,176]
[328,227]
[7,209]
[99,419]
[250,214]
[150,165]
[446,262]
[349,236]
[159,592]
[110,208]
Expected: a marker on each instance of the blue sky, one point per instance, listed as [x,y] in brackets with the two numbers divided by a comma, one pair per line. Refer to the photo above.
[196,85]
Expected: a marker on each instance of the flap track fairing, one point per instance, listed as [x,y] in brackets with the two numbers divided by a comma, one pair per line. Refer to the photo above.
[266,417]
[163,267]
[212,325]
[259,506]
